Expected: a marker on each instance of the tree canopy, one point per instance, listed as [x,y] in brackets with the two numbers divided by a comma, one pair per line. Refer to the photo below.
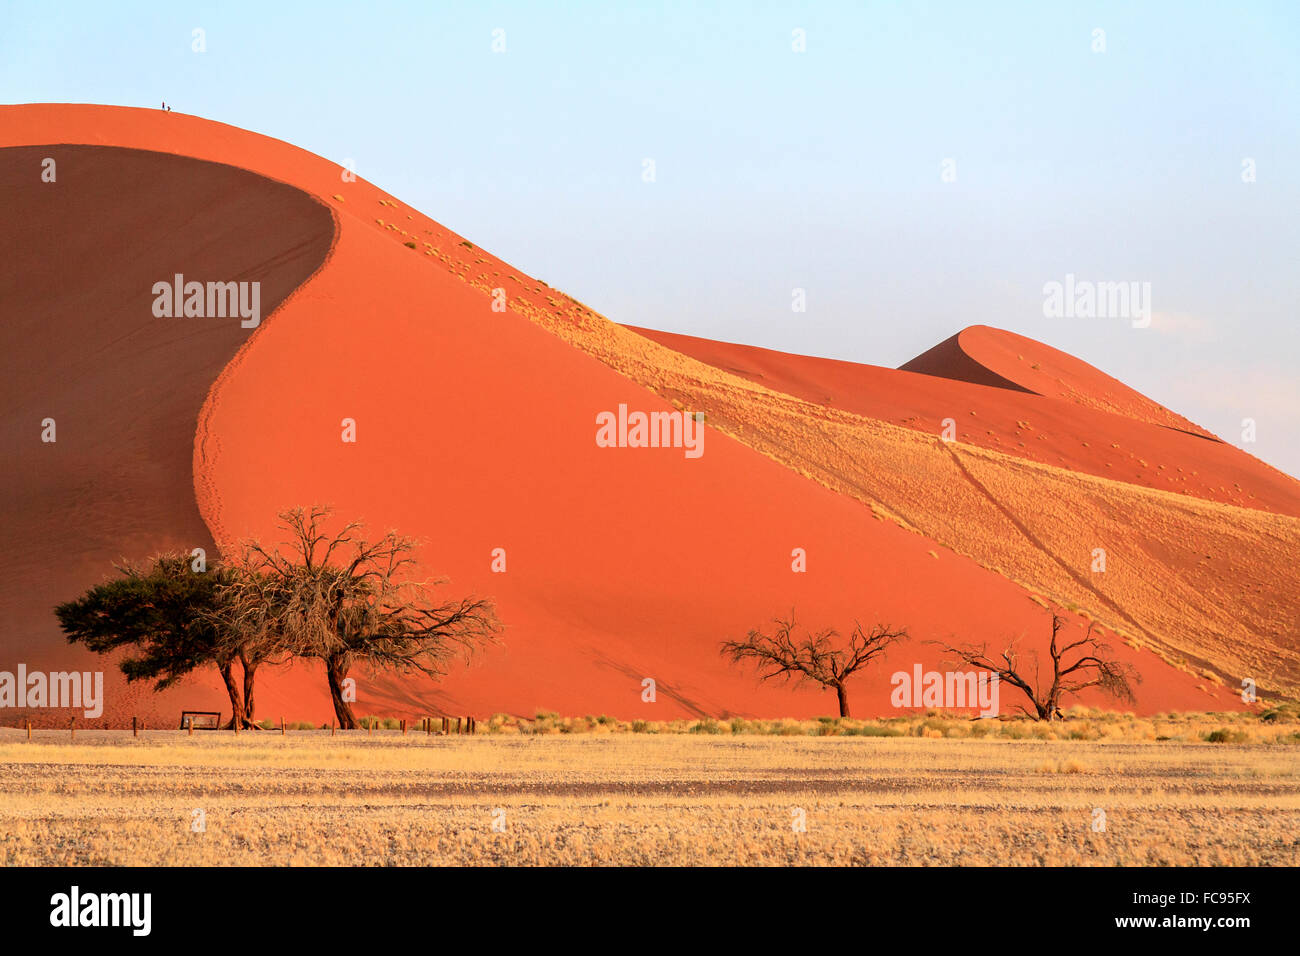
[165,615]
[340,598]
[821,657]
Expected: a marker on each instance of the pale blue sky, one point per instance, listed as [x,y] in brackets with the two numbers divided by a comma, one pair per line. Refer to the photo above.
[778,170]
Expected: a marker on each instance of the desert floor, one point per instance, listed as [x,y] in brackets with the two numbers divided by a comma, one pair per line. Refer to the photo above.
[386,798]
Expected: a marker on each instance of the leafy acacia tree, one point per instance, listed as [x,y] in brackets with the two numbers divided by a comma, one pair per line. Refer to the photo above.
[168,616]
[1076,665]
[822,658]
[344,600]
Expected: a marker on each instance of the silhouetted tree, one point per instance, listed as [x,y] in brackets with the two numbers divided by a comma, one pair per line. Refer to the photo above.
[167,615]
[1076,665]
[821,658]
[341,599]
[247,630]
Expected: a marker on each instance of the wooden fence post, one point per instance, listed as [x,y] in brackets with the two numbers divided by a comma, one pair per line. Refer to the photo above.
[370,727]
[282,725]
[189,723]
[29,730]
[135,731]
[331,728]
[72,728]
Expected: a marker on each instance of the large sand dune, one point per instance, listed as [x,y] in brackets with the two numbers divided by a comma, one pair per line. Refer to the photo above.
[476,430]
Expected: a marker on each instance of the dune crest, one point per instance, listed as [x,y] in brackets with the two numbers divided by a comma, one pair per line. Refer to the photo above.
[984,355]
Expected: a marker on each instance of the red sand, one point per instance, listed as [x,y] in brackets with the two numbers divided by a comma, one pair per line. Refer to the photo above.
[1004,417]
[475,431]
[989,356]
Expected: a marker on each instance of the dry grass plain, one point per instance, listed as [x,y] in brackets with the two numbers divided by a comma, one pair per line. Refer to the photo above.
[307,798]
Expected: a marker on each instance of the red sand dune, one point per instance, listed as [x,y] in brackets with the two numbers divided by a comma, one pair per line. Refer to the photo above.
[475,431]
[988,356]
[1007,418]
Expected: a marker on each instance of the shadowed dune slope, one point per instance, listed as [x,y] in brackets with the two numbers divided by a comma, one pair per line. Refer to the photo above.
[476,431]
[81,346]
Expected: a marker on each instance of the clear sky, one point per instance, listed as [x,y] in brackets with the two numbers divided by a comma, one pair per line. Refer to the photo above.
[777,170]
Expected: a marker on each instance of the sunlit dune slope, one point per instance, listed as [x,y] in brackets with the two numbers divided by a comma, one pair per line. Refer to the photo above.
[475,431]
[1072,435]
[1213,587]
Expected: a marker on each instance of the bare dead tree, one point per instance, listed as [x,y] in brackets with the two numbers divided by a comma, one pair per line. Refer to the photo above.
[1076,666]
[248,623]
[821,658]
[342,599]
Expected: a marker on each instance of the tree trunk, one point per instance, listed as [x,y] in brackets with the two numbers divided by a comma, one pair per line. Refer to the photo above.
[236,705]
[844,700]
[336,669]
[250,671]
